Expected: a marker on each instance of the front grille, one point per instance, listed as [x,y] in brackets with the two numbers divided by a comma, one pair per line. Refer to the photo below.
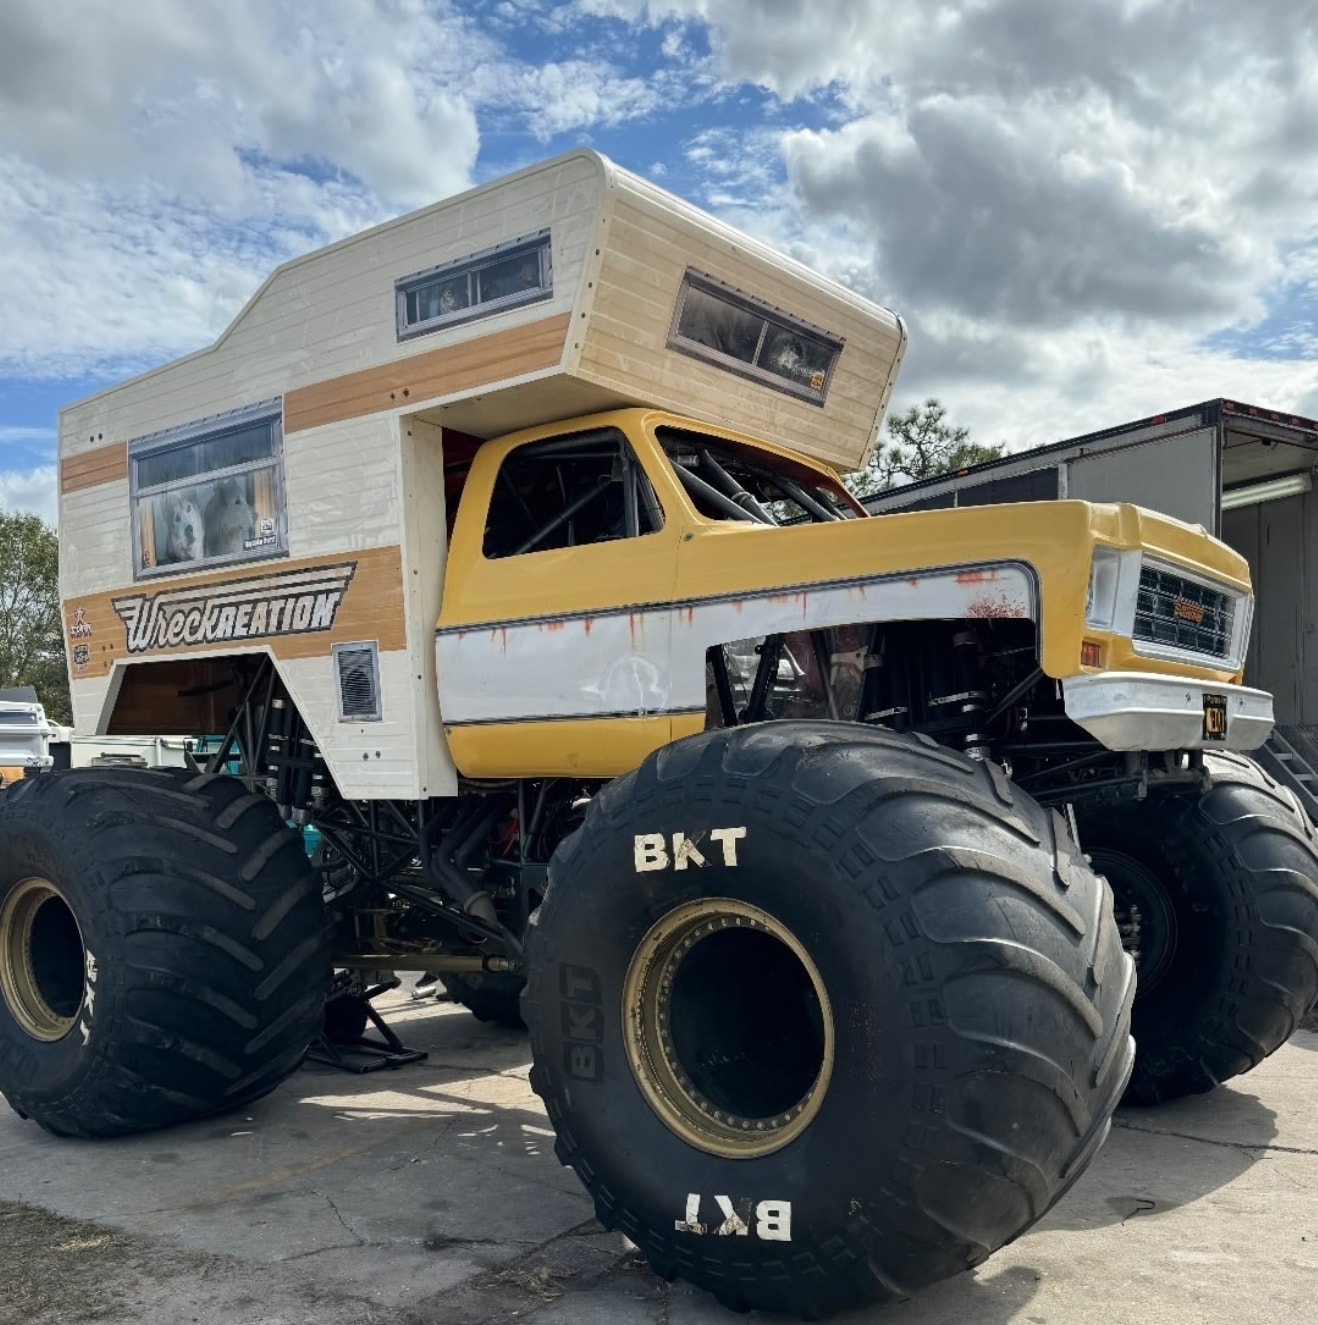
[1176,613]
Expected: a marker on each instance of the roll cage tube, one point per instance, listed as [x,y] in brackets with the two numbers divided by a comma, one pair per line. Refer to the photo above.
[726,483]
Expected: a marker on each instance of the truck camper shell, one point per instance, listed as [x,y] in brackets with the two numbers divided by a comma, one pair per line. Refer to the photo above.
[298,478]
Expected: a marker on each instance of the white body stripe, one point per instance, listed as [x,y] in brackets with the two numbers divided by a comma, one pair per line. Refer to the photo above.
[654,661]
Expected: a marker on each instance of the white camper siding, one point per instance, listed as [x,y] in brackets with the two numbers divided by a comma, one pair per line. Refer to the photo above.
[332,312]
[368,760]
[342,490]
[100,557]
[425,550]
[92,698]
[651,240]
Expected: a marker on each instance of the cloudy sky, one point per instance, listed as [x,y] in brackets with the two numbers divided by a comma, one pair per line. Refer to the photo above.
[1087,211]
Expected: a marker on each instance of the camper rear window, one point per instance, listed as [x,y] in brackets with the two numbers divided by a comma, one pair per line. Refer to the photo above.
[209,493]
[477,285]
[725,326]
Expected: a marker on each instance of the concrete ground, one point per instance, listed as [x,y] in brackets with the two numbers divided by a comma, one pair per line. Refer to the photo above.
[431,1194]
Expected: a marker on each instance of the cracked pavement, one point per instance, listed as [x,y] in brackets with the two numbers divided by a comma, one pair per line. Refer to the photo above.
[431,1194]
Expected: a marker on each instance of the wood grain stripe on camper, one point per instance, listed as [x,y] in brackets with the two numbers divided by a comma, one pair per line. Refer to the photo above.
[296,608]
[103,464]
[439,372]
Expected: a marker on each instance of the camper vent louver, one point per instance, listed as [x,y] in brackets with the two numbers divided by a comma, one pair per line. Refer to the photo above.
[358,670]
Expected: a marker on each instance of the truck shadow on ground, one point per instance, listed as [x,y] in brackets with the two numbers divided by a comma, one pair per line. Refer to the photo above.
[1155,1161]
[1159,1159]
[435,1188]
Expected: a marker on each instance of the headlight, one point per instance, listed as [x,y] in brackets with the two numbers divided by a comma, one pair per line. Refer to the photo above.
[1113,577]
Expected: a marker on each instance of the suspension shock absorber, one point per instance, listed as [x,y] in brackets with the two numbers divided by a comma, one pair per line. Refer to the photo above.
[957,695]
[973,697]
[885,696]
[276,743]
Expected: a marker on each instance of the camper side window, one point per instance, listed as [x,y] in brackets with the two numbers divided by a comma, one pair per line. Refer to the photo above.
[506,276]
[744,335]
[569,491]
[209,493]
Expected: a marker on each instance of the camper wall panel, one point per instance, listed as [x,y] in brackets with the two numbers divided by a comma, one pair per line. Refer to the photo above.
[652,242]
[333,312]
[101,556]
[368,760]
[89,698]
[343,486]
[425,552]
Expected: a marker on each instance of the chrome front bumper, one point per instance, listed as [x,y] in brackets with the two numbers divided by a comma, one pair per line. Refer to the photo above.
[1147,711]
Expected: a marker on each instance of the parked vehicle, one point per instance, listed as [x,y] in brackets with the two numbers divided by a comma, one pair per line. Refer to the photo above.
[505,544]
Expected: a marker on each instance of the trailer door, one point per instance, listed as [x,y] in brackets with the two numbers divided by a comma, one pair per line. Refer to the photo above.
[1174,475]
[1278,539]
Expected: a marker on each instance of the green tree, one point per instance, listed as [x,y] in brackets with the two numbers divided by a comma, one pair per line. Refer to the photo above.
[923,445]
[31,627]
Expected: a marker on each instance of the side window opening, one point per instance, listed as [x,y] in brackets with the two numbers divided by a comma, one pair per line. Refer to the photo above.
[568,492]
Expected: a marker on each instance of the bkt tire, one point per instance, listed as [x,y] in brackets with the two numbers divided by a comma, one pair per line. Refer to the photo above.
[822,1014]
[1218,893]
[163,948]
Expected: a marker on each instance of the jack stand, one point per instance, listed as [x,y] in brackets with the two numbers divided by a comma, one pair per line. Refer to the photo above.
[359,1053]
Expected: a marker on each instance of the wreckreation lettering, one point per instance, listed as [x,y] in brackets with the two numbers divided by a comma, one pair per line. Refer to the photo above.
[300,602]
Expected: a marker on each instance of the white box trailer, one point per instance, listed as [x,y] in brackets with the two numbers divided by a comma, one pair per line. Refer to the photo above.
[296,479]
[1242,472]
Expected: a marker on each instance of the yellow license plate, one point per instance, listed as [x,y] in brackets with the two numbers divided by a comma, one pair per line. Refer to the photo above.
[1214,717]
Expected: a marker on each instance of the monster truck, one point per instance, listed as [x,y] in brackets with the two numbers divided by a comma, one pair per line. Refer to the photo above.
[769,806]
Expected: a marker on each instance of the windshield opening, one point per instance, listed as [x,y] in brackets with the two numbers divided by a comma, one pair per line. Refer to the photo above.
[729,481]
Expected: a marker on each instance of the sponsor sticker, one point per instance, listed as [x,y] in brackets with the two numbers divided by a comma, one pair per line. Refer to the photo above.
[294,602]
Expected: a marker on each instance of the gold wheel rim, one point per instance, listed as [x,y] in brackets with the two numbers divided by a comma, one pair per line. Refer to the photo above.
[22,985]
[655,1059]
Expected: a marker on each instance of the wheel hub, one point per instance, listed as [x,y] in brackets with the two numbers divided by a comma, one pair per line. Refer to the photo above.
[1145,916]
[42,960]
[728,1028]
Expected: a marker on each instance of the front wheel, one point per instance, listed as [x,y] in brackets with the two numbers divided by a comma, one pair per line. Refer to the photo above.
[1217,897]
[822,1014]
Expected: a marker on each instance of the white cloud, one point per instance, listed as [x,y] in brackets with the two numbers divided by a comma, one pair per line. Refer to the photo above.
[113,278]
[1077,207]
[31,490]
[559,97]
[1067,202]
[10,433]
[112,91]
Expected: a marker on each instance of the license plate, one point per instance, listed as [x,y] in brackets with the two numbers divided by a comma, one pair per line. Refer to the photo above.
[1214,717]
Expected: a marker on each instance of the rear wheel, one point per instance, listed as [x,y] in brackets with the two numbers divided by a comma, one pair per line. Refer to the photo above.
[1217,898]
[822,1014]
[163,948]
[493,996]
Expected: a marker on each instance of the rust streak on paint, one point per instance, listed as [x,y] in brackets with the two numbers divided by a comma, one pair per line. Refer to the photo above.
[555,625]
[588,624]
[976,576]
[914,581]
[989,606]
